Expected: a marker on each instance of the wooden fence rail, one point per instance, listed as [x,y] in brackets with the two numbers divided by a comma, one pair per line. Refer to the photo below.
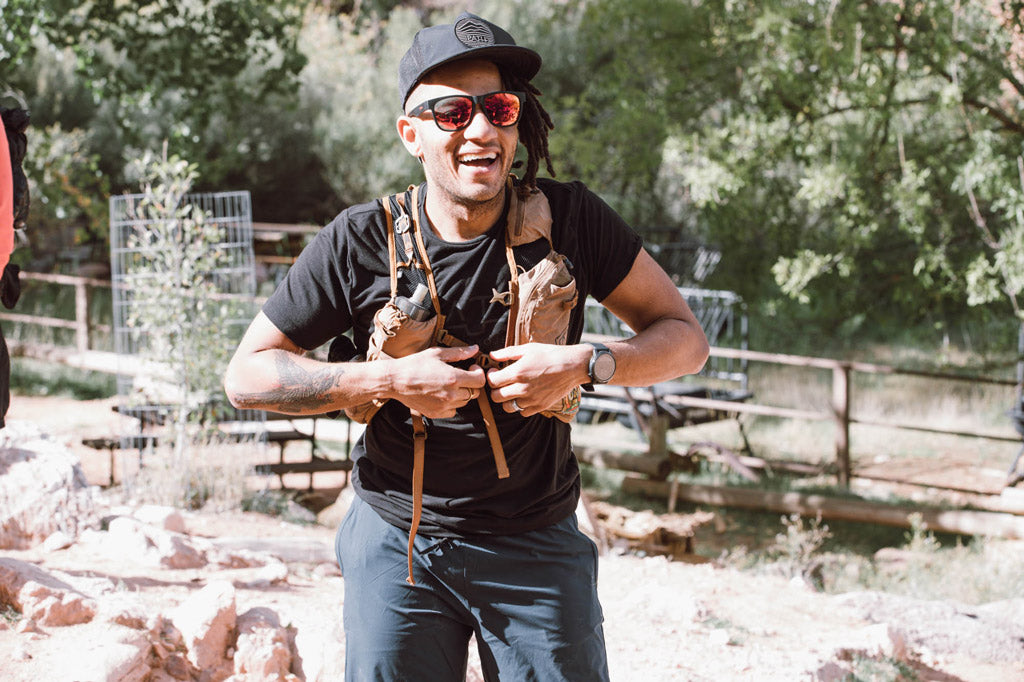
[840,407]
[83,293]
[838,411]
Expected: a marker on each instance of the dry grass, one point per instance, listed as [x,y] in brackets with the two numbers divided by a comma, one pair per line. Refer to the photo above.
[213,476]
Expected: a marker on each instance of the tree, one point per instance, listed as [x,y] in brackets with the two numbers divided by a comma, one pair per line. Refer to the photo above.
[872,150]
[183,297]
[167,70]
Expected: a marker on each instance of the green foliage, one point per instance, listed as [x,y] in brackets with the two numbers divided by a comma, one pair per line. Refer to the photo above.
[9,614]
[69,192]
[878,669]
[351,80]
[870,149]
[860,159]
[180,307]
[201,50]
[37,378]
[278,503]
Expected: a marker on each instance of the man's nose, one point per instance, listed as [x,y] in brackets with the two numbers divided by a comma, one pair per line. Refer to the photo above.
[480,126]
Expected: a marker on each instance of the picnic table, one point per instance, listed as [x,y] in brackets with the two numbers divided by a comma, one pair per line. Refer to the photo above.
[232,426]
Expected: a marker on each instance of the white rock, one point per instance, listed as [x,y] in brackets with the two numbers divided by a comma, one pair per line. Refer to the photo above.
[124,659]
[151,545]
[42,488]
[265,650]
[207,623]
[57,541]
[332,515]
[275,572]
[718,637]
[167,518]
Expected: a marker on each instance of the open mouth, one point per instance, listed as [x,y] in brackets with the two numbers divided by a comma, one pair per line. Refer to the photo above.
[478,160]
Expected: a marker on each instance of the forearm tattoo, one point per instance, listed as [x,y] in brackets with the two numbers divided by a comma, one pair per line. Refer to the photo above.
[300,390]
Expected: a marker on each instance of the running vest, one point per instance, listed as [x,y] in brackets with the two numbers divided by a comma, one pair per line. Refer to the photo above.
[539,300]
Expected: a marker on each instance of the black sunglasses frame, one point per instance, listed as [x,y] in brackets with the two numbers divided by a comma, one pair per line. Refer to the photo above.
[478,103]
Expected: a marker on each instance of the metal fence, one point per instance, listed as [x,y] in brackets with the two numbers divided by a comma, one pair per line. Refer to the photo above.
[184,286]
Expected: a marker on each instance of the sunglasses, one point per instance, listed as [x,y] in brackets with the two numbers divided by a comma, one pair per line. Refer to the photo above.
[455,112]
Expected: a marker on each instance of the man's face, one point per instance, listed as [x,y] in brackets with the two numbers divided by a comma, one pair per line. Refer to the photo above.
[468,166]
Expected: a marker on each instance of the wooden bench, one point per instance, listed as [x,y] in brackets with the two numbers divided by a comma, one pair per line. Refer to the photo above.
[151,417]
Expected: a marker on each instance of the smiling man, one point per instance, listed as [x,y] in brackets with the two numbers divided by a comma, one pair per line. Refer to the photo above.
[466,293]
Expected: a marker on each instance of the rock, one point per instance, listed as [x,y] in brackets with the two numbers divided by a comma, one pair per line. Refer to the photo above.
[877,641]
[275,572]
[42,488]
[290,550]
[177,551]
[331,570]
[831,672]
[123,659]
[166,518]
[238,558]
[207,621]
[151,545]
[57,541]
[719,637]
[26,625]
[332,515]
[265,650]
[128,614]
[177,666]
[986,635]
[43,597]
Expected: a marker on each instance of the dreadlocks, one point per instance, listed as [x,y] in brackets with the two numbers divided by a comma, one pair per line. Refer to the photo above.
[533,128]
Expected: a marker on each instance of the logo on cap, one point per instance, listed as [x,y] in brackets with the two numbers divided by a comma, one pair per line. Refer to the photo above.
[473,33]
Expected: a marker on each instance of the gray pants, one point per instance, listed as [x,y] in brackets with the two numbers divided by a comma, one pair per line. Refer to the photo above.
[530,598]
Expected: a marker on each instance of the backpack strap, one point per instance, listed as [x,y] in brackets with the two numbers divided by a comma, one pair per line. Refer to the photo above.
[419,437]
[386,202]
[416,257]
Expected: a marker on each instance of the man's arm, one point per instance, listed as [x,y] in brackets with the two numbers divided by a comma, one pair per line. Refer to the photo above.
[269,371]
[668,343]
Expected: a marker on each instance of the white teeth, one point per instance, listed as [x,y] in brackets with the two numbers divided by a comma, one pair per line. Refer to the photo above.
[465,158]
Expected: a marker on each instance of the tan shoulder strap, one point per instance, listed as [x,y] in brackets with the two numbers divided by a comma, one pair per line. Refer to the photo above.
[529,216]
[392,256]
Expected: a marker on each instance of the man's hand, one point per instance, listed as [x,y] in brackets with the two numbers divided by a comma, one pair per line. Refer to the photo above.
[538,375]
[429,383]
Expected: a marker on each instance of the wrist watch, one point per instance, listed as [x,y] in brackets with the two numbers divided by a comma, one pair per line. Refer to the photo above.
[602,366]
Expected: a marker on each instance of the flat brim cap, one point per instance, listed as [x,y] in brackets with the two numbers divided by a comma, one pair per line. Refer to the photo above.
[470,37]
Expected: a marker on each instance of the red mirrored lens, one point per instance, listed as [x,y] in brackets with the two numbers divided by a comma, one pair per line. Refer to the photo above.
[452,113]
[501,108]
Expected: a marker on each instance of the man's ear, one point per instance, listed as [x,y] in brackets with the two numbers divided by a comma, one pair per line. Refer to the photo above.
[410,134]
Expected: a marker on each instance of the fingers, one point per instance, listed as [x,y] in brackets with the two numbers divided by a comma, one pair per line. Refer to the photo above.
[455,353]
[507,353]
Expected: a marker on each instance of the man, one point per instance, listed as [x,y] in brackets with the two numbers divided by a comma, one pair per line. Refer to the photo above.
[498,557]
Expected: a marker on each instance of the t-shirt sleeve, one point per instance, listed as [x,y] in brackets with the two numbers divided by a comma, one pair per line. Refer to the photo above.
[310,306]
[607,244]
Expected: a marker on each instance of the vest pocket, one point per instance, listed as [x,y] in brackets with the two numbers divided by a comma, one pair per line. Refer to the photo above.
[547,294]
[395,335]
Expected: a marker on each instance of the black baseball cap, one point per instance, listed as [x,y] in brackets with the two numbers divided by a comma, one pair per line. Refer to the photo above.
[470,37]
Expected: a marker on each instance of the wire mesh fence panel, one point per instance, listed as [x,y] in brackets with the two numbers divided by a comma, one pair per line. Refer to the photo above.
[721,314]
[184,285]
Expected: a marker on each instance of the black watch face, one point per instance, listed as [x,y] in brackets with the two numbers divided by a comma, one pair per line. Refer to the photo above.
[604,367]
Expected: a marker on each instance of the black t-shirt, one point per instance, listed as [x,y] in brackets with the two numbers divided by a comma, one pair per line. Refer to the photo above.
[342,278]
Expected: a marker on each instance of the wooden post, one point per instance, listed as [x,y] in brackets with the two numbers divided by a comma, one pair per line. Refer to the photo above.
[657,435]
[81,316]
[841,415]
